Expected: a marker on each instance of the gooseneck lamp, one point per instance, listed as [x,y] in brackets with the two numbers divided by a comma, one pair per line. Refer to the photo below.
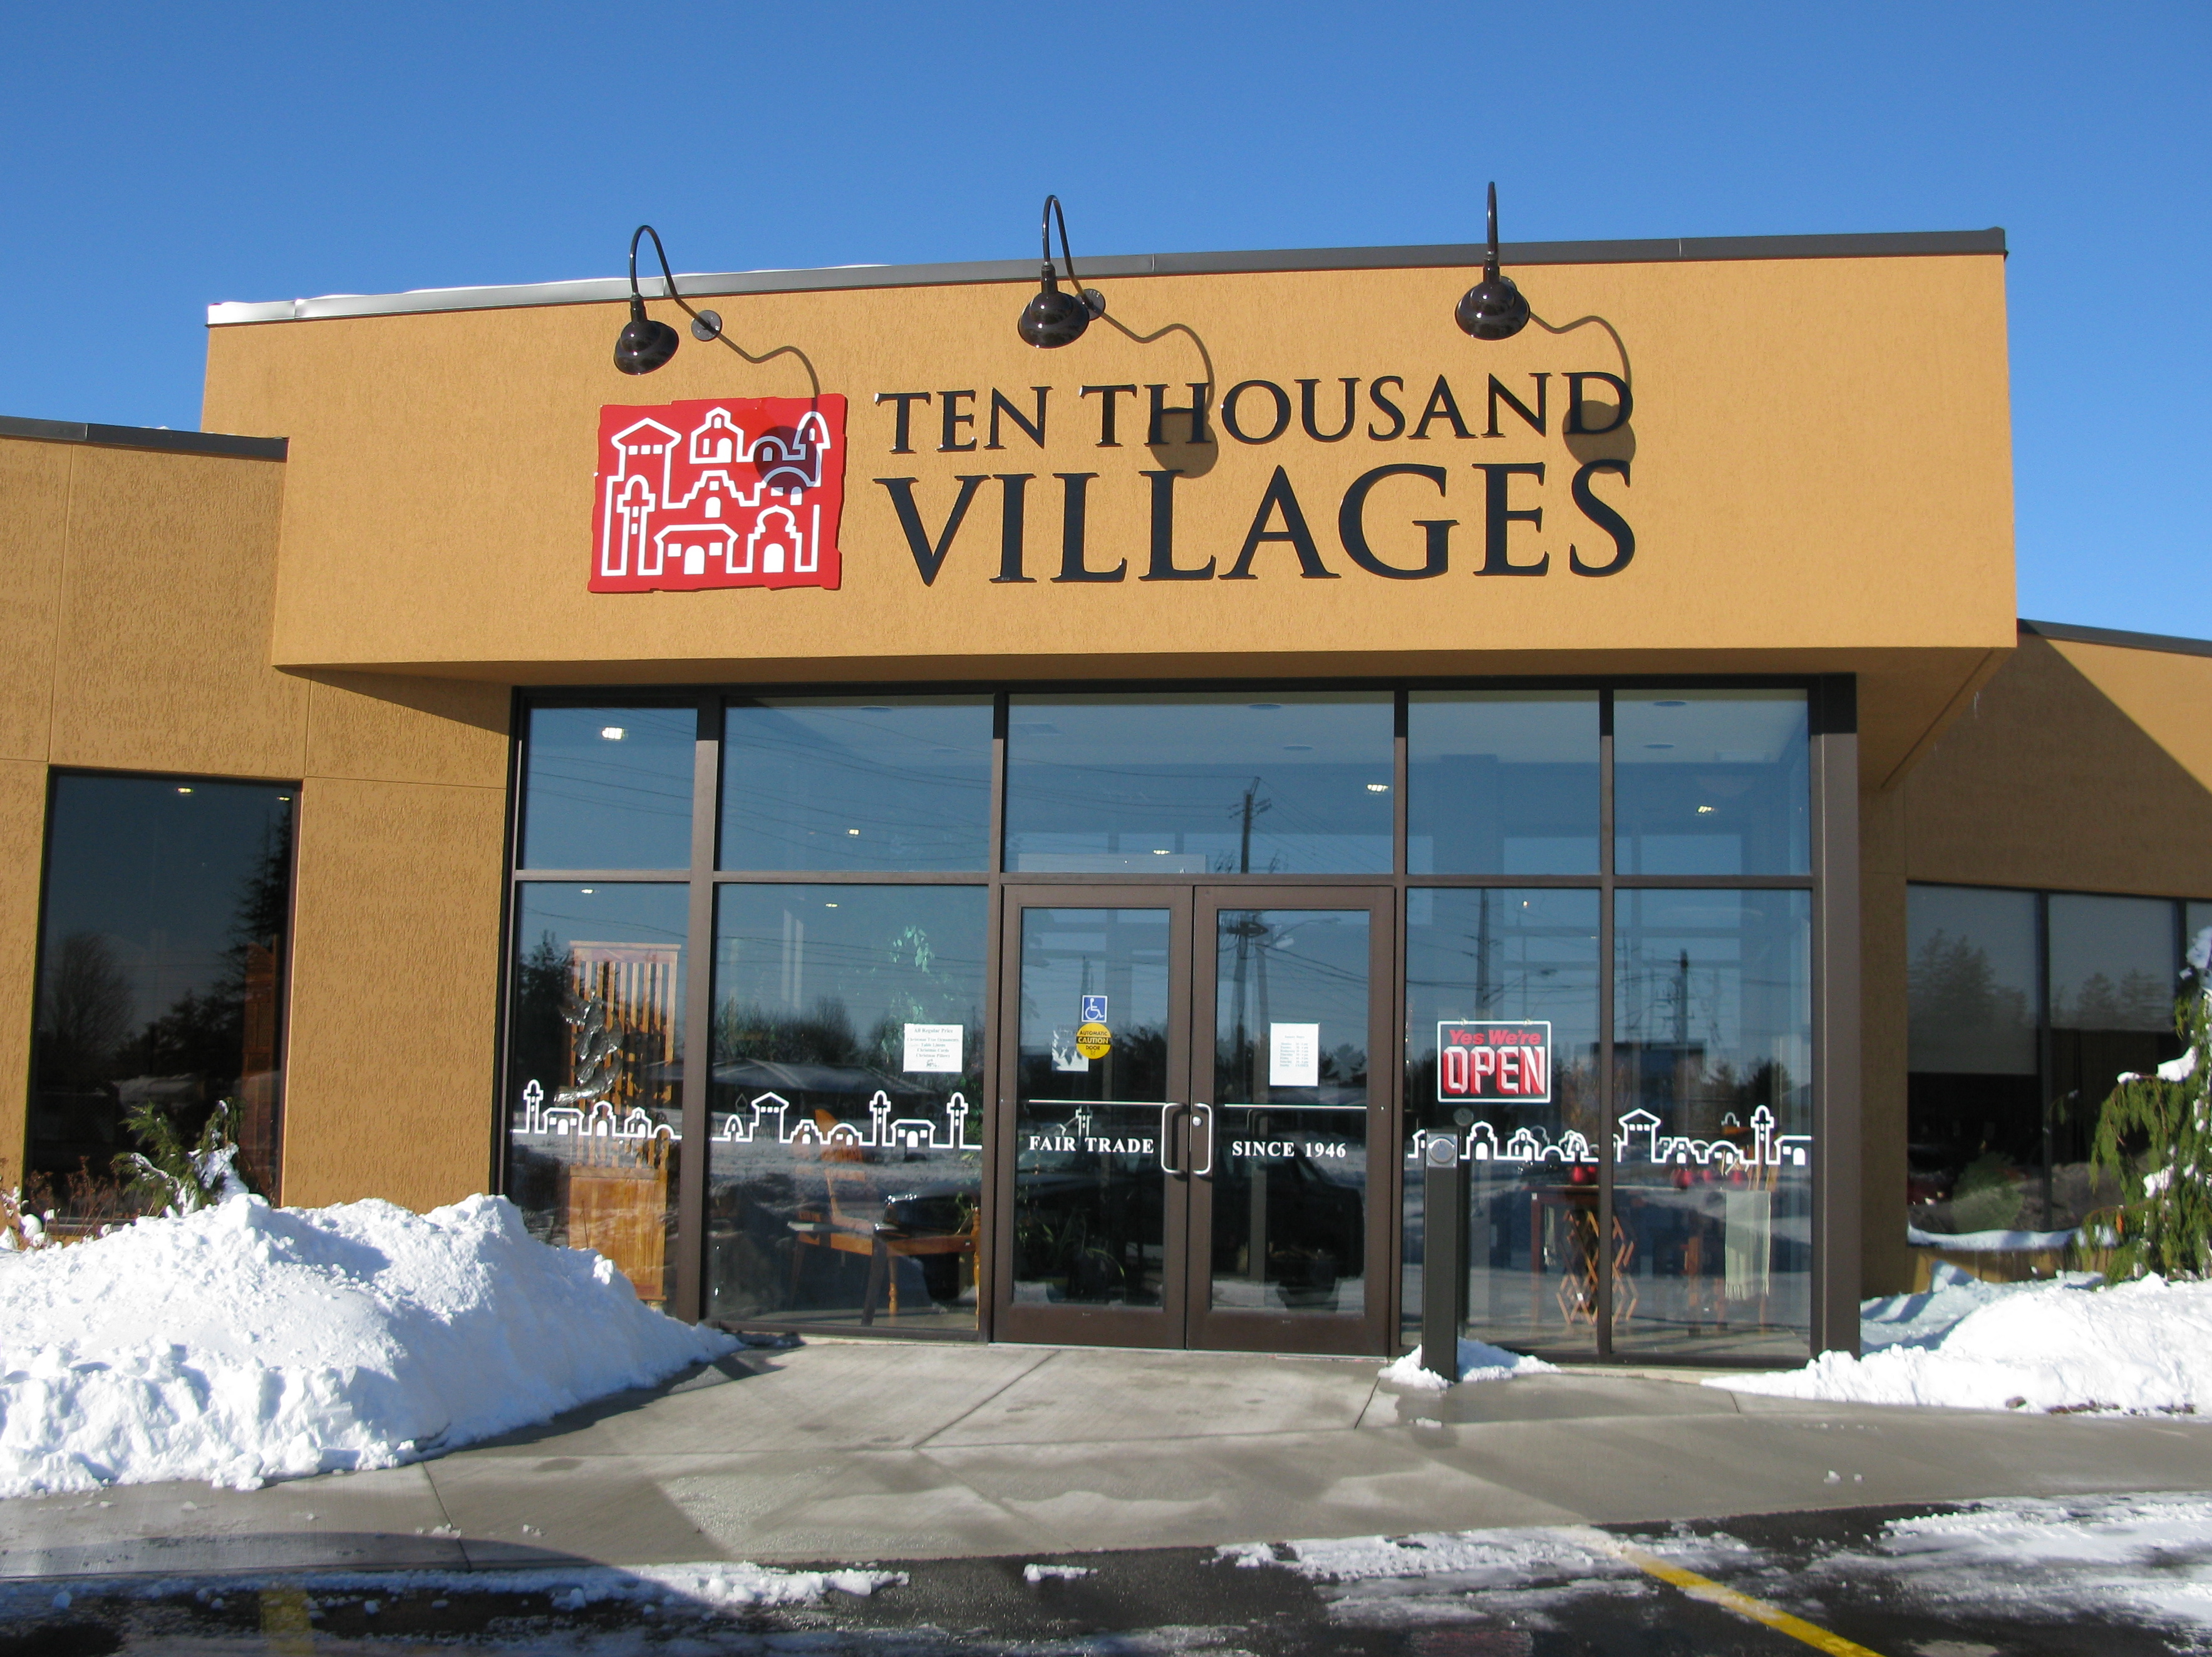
[1054,318]
[1493,308]
[646,343]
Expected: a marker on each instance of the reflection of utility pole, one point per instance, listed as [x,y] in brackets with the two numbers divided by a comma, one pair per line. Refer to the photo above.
[1252,808]
[1482,985]
[1682,1039]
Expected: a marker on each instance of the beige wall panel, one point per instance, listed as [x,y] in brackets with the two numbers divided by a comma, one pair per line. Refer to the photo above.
[401,730]
[165,617]
[23,847]
[2167,694]
[389,1075]
[2046,780]
[1815,468]
[34,487]
[1885,1264]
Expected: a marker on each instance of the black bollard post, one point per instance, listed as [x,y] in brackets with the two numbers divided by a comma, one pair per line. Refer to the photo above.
[1443,1259]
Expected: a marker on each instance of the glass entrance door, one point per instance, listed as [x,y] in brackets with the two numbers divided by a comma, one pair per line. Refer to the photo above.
[1201,1150]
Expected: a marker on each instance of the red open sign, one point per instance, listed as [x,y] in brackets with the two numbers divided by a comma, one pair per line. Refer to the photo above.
[1501,1059]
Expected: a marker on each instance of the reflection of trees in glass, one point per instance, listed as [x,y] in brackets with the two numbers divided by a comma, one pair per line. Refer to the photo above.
[750,1029]
[85,1012]
[1961,1016]
[2140,1001]
[218,1040]
[903,976]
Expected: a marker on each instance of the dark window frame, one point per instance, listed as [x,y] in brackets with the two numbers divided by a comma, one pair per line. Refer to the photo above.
[2046,1076]
[56,774]
[1832,877]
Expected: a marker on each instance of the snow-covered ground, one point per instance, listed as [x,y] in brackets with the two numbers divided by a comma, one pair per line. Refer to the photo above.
[245,1343]
[2144,1347]
[2085,1562]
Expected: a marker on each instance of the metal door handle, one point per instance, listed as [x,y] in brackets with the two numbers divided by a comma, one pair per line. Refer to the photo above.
[1208,1109]
[1167,1138]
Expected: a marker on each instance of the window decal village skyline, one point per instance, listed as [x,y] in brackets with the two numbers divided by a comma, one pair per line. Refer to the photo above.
[719,492]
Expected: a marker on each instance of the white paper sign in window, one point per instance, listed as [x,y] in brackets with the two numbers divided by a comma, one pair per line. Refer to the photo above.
[1294,1055]
[933,1047]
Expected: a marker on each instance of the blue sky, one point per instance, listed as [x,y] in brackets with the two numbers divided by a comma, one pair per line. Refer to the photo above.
[161,157]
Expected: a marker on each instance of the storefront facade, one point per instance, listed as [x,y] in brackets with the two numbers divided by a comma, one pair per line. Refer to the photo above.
[895,831]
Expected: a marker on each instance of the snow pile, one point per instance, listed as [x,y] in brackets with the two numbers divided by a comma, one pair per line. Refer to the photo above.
[245,1343]
[2140,1347]
[1478,1361]
[1951,1296]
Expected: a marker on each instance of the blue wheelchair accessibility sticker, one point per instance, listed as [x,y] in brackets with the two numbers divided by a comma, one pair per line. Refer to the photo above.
[1094,1008]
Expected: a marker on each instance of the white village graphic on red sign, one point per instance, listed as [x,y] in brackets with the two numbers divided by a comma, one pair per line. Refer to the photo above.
[719,492]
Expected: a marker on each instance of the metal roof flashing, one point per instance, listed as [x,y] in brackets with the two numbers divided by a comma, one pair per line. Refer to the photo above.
[600,290]
[161,440]
[2068,632]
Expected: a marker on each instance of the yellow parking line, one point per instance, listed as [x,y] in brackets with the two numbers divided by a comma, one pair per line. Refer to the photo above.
[284,1622]
[1704,1589]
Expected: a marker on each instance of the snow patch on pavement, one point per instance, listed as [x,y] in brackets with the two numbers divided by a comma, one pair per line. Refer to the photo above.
[1478,1361]
[2142,1347]
[2149,1553]
[245,1343]
[717,1585]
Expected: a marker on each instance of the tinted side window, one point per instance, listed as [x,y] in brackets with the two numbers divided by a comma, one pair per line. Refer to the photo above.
[162,967]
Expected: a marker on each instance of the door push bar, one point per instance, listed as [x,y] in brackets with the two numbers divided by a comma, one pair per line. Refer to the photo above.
[1168,1113]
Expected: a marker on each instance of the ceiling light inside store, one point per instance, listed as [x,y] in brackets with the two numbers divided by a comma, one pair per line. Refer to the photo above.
[183,791]
[851,831]
[611,733]
[586,890]
[1703,811]
[1378,787]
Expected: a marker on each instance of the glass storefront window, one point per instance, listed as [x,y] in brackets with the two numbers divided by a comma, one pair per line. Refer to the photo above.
[1502,782]
[2111,963]
[2114,962]
[1974,1105]
[845,1171]
[162,967]
[1090,1199]
[1713,1130]
[1522,963]
[595,1069]
[1712,782]
[813,784]
[1291,783]
[608,787]
[1290,1149]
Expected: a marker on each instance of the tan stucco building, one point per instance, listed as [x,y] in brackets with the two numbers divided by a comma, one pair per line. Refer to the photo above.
[1651,682]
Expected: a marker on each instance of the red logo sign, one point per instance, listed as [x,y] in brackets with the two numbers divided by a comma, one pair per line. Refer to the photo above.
[719,492]
[1484,1060]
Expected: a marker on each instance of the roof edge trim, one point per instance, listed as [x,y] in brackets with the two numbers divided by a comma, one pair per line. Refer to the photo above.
[2066,632]
[600,290]
[158,438]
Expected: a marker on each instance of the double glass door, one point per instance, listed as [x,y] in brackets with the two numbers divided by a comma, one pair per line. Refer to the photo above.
[1198,1130]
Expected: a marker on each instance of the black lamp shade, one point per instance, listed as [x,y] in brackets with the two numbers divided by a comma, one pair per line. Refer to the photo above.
[1054,318]
[1493,309]
[644,344]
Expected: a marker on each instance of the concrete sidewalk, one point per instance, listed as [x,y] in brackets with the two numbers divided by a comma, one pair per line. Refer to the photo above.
[859,1451]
